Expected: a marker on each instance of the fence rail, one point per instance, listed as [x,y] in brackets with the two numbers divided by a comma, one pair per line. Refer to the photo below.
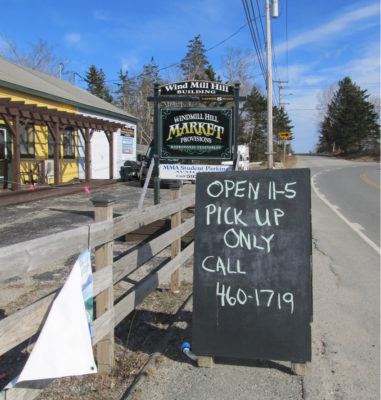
[21,258]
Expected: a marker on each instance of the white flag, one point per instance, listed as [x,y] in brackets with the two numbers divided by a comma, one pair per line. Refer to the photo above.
[64,346]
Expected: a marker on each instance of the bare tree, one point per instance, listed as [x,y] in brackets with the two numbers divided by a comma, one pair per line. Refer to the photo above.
[376,101]
[324,98]
[239,67]
[41,56]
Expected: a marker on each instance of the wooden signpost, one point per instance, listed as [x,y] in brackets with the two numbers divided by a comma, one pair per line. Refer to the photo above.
[252,265]
[285,136]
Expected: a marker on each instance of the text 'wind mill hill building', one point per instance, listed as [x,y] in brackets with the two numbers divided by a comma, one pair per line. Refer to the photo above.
[52,132]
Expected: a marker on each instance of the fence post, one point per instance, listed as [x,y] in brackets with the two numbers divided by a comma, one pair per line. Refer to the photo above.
[103,204]
[176,245]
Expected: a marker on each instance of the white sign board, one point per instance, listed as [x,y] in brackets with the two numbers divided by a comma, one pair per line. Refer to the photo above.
[188,171]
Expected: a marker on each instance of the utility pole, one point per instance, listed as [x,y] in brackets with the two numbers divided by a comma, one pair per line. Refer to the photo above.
[270,146]
[280,91]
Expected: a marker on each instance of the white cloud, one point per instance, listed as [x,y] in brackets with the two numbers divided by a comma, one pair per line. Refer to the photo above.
[72,38]
[339,24]
[100,15]
[130,63]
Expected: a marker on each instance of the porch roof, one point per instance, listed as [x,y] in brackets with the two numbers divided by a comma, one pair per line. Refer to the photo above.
[23,79]
[43,115]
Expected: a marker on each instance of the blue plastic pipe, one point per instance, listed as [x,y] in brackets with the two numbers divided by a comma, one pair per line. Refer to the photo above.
[186,349]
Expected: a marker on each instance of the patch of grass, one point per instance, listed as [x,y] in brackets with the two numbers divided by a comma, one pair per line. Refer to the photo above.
[290,161]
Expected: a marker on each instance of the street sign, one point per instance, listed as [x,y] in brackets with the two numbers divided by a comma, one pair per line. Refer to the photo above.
[284,135]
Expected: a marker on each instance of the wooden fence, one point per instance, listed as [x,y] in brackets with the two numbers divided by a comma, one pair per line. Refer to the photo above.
[18,259]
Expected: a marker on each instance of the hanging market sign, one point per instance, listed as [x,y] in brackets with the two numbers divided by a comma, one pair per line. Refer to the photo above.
[209,91]
[196,133]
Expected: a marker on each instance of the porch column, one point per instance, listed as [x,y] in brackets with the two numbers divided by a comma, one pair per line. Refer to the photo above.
[87,134]
[110,138]
[55,130]
[15,129]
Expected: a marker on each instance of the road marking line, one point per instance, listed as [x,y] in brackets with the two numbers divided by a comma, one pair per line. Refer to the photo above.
[353,226]
[369,182]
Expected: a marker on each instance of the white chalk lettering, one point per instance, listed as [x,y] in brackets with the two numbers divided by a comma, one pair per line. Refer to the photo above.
[226,267]
[287,192]
[293,192]
[210,209]
[267,219]
[219,187]
[229,188]
[234,239]
[232,216]
[253,190]
[239,189]
[268,240]
[278,213]
[226,295]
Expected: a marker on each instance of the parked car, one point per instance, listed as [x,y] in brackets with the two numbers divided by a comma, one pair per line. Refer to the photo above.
[173,183]
[129,171]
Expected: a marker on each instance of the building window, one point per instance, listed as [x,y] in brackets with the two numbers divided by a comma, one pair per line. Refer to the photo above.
[27,141]
[68,142]
[3,141]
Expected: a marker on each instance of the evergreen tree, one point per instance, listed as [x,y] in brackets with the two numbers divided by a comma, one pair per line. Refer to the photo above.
[255,109]
[281,123]
[351,121]
[195,63]
[211,74]
[126,92]
[96,84]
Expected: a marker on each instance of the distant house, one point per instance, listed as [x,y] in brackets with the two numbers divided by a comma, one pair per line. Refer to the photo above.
[54,132]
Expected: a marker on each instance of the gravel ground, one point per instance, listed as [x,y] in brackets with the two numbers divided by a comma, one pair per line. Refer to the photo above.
[136,337]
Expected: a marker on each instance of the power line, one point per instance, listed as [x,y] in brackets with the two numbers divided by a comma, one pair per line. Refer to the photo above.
[228,38]
[178,63]
[260,42]
[287,39]
[255,37]
[260,18]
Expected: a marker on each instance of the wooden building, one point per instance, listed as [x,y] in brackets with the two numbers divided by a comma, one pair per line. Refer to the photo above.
[52,132]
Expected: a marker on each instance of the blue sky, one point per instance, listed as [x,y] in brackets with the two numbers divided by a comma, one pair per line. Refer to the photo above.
[315,43]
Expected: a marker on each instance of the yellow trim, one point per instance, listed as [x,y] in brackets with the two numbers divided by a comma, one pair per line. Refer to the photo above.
[31,99]
[369,182]
[68,167]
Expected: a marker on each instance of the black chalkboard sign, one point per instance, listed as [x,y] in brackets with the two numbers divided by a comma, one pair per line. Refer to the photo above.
[252,265]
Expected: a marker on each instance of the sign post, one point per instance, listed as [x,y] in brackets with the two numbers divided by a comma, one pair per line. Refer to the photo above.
[285,136]
[155,158]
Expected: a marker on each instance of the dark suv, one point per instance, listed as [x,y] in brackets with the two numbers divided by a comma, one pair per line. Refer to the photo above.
[129,171]
[173,183]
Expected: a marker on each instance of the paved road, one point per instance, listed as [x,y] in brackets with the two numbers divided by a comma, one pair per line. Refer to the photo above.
[346,328]
[355,189]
